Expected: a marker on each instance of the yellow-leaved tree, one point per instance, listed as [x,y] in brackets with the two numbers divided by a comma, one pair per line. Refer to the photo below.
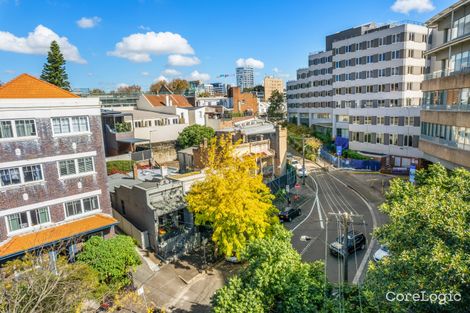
[232,199]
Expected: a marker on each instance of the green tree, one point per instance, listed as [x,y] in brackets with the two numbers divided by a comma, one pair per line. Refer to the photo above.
[276,103]
[232,199]
[97,91]
[129,89]
[194,135]
[429,241]
[112,258]
[178,85]
[275,280]
[54,69]
[29,285]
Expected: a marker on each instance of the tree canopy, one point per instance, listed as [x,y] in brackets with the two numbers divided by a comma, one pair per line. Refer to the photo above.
[275,280]
[112,258]
[155,87]
[29,285]
[129,89]
[428,237]
[177,86]
[275,109]
[53,70]
[232,199]
[194,135]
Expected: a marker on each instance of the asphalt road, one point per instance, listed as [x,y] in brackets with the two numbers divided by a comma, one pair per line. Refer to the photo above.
[324,228]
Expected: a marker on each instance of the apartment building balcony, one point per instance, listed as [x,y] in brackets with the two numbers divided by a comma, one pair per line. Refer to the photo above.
[447,107]
[446,73]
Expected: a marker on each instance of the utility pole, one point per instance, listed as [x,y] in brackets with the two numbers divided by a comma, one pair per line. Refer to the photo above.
[346,220]
[303,160]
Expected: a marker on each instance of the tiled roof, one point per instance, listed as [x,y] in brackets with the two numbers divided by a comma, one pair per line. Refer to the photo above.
[177,100]
[27,86]
[23,243]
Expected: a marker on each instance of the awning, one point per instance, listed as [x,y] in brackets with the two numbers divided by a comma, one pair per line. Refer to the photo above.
[132,140]
[48,236]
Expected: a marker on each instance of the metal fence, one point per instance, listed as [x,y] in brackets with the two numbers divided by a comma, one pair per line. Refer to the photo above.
[141,155]
[372,165]
[290,178]
[182,243]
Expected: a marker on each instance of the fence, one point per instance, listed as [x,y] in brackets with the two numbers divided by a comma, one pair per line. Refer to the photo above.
[290,178]
[141,237]
[372,165]
[141,155]
[188,240]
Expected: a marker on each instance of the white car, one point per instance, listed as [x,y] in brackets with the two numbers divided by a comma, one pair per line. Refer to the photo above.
[296,164]
[381,253]
[302,172]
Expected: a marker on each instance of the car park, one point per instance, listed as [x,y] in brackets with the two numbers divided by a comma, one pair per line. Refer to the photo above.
[356,241]
[289,214]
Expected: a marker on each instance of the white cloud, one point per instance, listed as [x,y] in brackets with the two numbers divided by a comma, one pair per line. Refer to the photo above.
[405,6]
[38,42]
[250,62]
[276,70]
[142,27]
[122,85]
[181,60]
[171,72]
[160,78]
[88,22]
[145,73]
[138,47]
[195,75]
[9,71]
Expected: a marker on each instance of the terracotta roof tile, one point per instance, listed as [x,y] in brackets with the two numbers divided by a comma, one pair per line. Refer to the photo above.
[179,101]
[21,243]
[27,86]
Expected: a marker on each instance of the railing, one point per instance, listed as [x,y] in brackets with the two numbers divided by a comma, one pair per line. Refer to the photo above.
[445,73]
[141,155]
[448,107]
[445,142]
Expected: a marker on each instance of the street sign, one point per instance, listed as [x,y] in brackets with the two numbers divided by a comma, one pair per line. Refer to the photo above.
[339,150]
[412,173]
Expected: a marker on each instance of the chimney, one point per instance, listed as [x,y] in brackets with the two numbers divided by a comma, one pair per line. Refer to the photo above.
[167,101]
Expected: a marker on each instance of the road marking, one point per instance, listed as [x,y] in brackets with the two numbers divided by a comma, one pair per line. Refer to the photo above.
[372,243]
[311,209]
[318,205]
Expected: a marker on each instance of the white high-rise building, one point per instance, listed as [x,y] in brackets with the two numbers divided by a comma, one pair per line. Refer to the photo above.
[366,87]
[245,77]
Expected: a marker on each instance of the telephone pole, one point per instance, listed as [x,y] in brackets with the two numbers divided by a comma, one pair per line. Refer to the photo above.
[346,219]
[303,160]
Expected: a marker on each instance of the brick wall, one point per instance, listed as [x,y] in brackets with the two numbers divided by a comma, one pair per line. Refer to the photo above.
[243,101]
[52,187]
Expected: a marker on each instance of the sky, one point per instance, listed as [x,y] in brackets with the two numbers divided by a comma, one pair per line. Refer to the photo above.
[109,43]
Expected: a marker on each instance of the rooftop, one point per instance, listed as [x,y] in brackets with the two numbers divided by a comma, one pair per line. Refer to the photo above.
[27,86]
[179,101]
[22,243]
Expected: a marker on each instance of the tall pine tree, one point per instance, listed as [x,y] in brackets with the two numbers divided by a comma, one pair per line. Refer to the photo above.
[54,69]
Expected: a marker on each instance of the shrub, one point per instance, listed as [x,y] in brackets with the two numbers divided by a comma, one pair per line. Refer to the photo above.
[121,166]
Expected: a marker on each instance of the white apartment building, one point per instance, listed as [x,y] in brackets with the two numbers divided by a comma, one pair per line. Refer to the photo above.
[375,91]
[245,77]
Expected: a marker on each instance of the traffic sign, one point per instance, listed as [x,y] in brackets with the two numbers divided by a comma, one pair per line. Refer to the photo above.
[339,150]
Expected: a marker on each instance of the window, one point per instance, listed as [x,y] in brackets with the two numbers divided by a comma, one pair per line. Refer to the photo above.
[81,206]
[17,128]
[368,121]
[394,120]
[32,173]
[393,139]
[379,138]
[67,125]
[408,141]
[380,120]
[67,167]
[20,175]
[25,128]
[76,166]
[6,130]
[28,219]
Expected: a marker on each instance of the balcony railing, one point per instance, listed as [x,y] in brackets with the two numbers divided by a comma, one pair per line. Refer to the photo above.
[445,142]
[448,107]
[446,73]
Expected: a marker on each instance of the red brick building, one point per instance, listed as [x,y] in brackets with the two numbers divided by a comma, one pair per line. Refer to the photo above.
[52,168]
[243,102]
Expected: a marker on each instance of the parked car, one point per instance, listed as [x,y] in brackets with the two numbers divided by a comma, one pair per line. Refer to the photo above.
[289,155]
[296,164]
[289,214]
[302,172]
[381,253]
[356,241]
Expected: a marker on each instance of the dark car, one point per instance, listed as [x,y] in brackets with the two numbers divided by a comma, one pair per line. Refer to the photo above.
[289,214]
[356,241]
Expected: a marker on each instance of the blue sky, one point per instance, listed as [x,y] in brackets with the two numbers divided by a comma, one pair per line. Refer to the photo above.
[182,38]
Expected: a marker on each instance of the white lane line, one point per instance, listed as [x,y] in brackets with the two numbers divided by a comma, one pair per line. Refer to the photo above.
[311,209]
[318,205]
[372,243]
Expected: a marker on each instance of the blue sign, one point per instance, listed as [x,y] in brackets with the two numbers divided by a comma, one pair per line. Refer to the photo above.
[412,173]
[339,150]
